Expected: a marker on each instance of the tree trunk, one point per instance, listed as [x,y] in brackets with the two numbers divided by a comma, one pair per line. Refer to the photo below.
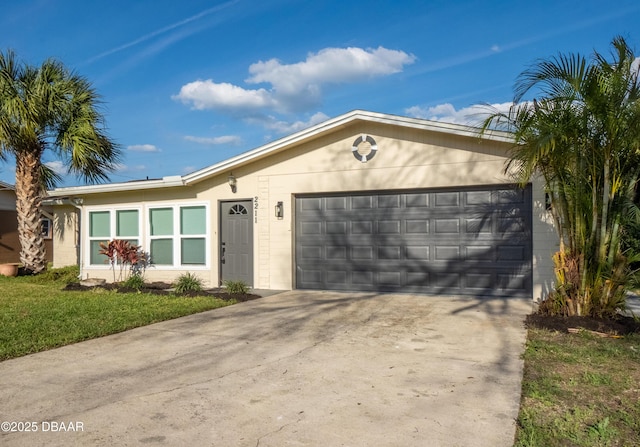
[28,204]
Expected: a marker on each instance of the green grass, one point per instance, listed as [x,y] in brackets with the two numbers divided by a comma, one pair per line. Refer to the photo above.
[580,390]
[36,314]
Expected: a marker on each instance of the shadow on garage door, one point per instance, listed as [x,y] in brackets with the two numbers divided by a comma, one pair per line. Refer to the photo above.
[467,241]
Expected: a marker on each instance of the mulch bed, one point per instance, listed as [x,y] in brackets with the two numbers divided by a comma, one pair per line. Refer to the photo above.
[620,325]
[161,288]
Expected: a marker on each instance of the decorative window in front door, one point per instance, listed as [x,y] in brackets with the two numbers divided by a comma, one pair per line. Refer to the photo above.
[238,209]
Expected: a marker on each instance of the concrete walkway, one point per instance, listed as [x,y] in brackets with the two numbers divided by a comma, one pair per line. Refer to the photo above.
[293,369]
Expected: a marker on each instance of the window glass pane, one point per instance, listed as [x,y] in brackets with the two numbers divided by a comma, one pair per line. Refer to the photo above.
[162,251]
[192,251]
[46,228]
[95,258]
[127,223]
[99,224]
[161,221]
[193,220]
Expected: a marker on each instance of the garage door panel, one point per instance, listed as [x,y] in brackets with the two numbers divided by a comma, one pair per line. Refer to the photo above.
[389,227]
[417,252]
[418,200]
[336,227]
[362,202]
[478,198]
[447,253]
[336,253]
[386,252]
[337,277]
[447,199]
[389,201]
[480,253]
[447,226]
[362,227]
[473,241]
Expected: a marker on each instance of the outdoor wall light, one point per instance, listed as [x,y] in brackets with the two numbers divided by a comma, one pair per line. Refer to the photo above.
[547,201]
[279,210]
[232,182]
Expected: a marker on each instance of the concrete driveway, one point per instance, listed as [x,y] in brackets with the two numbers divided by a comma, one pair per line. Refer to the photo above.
[294,369]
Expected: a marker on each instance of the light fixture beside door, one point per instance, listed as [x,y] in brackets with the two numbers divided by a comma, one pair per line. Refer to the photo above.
[279,210]
[233,182]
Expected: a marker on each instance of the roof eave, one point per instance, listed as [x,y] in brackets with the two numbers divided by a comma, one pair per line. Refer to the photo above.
[165,182]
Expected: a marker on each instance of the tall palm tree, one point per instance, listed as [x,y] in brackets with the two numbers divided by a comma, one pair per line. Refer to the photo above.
[582,136]
[48,108]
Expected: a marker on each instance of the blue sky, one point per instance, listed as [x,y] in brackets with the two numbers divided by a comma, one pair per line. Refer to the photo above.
[189,83]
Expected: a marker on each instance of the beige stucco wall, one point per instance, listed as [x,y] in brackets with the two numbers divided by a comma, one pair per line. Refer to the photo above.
[7,200]
[406,158]
[65,236]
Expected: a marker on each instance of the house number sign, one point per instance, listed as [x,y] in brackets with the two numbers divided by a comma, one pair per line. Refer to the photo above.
[255,209]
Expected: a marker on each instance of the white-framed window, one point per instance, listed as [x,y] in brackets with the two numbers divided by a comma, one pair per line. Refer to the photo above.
[178,235]
[47,228]
[107,224]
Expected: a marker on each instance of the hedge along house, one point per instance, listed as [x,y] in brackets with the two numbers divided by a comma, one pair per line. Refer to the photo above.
[363,202]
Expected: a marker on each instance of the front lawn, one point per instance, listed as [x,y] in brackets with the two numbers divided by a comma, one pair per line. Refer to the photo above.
[580,390]
[36,314]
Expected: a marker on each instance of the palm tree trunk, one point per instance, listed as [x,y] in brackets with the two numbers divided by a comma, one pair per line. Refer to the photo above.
[28,204]
[602,241]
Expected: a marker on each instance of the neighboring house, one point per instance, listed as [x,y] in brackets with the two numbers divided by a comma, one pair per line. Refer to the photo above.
[365,201]
[9,242]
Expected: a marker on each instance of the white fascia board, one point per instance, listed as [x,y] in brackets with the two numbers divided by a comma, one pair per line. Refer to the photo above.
[165,182]
[6,186]
[438,126]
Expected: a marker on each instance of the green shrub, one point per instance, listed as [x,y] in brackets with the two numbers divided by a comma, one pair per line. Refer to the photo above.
[69,274]
[239,287]
[135,281]
[188,282]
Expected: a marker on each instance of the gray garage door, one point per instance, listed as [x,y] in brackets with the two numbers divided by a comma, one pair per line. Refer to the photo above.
[469,241]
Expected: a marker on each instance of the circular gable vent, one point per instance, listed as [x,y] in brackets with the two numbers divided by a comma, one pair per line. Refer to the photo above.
[364,148]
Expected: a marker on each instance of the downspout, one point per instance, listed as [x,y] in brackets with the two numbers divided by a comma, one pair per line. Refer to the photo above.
[78,204]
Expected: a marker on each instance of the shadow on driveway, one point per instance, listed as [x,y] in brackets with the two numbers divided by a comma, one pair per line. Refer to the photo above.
[297,368]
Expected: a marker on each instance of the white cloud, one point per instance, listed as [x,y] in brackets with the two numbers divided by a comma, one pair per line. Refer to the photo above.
[143,148]
[57,166]
[284,127]
[471,115]
[212,141]
[294,87]
[210,95]
[330,65]
[121,168]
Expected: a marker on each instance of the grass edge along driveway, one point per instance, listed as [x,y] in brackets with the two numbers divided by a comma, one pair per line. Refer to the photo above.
[36,314]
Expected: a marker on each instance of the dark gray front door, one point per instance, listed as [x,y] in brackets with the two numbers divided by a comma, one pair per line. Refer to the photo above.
[236,241]
[468,241]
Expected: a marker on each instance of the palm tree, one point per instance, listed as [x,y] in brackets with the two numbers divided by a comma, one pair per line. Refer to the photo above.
[582,137]
[48,108]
